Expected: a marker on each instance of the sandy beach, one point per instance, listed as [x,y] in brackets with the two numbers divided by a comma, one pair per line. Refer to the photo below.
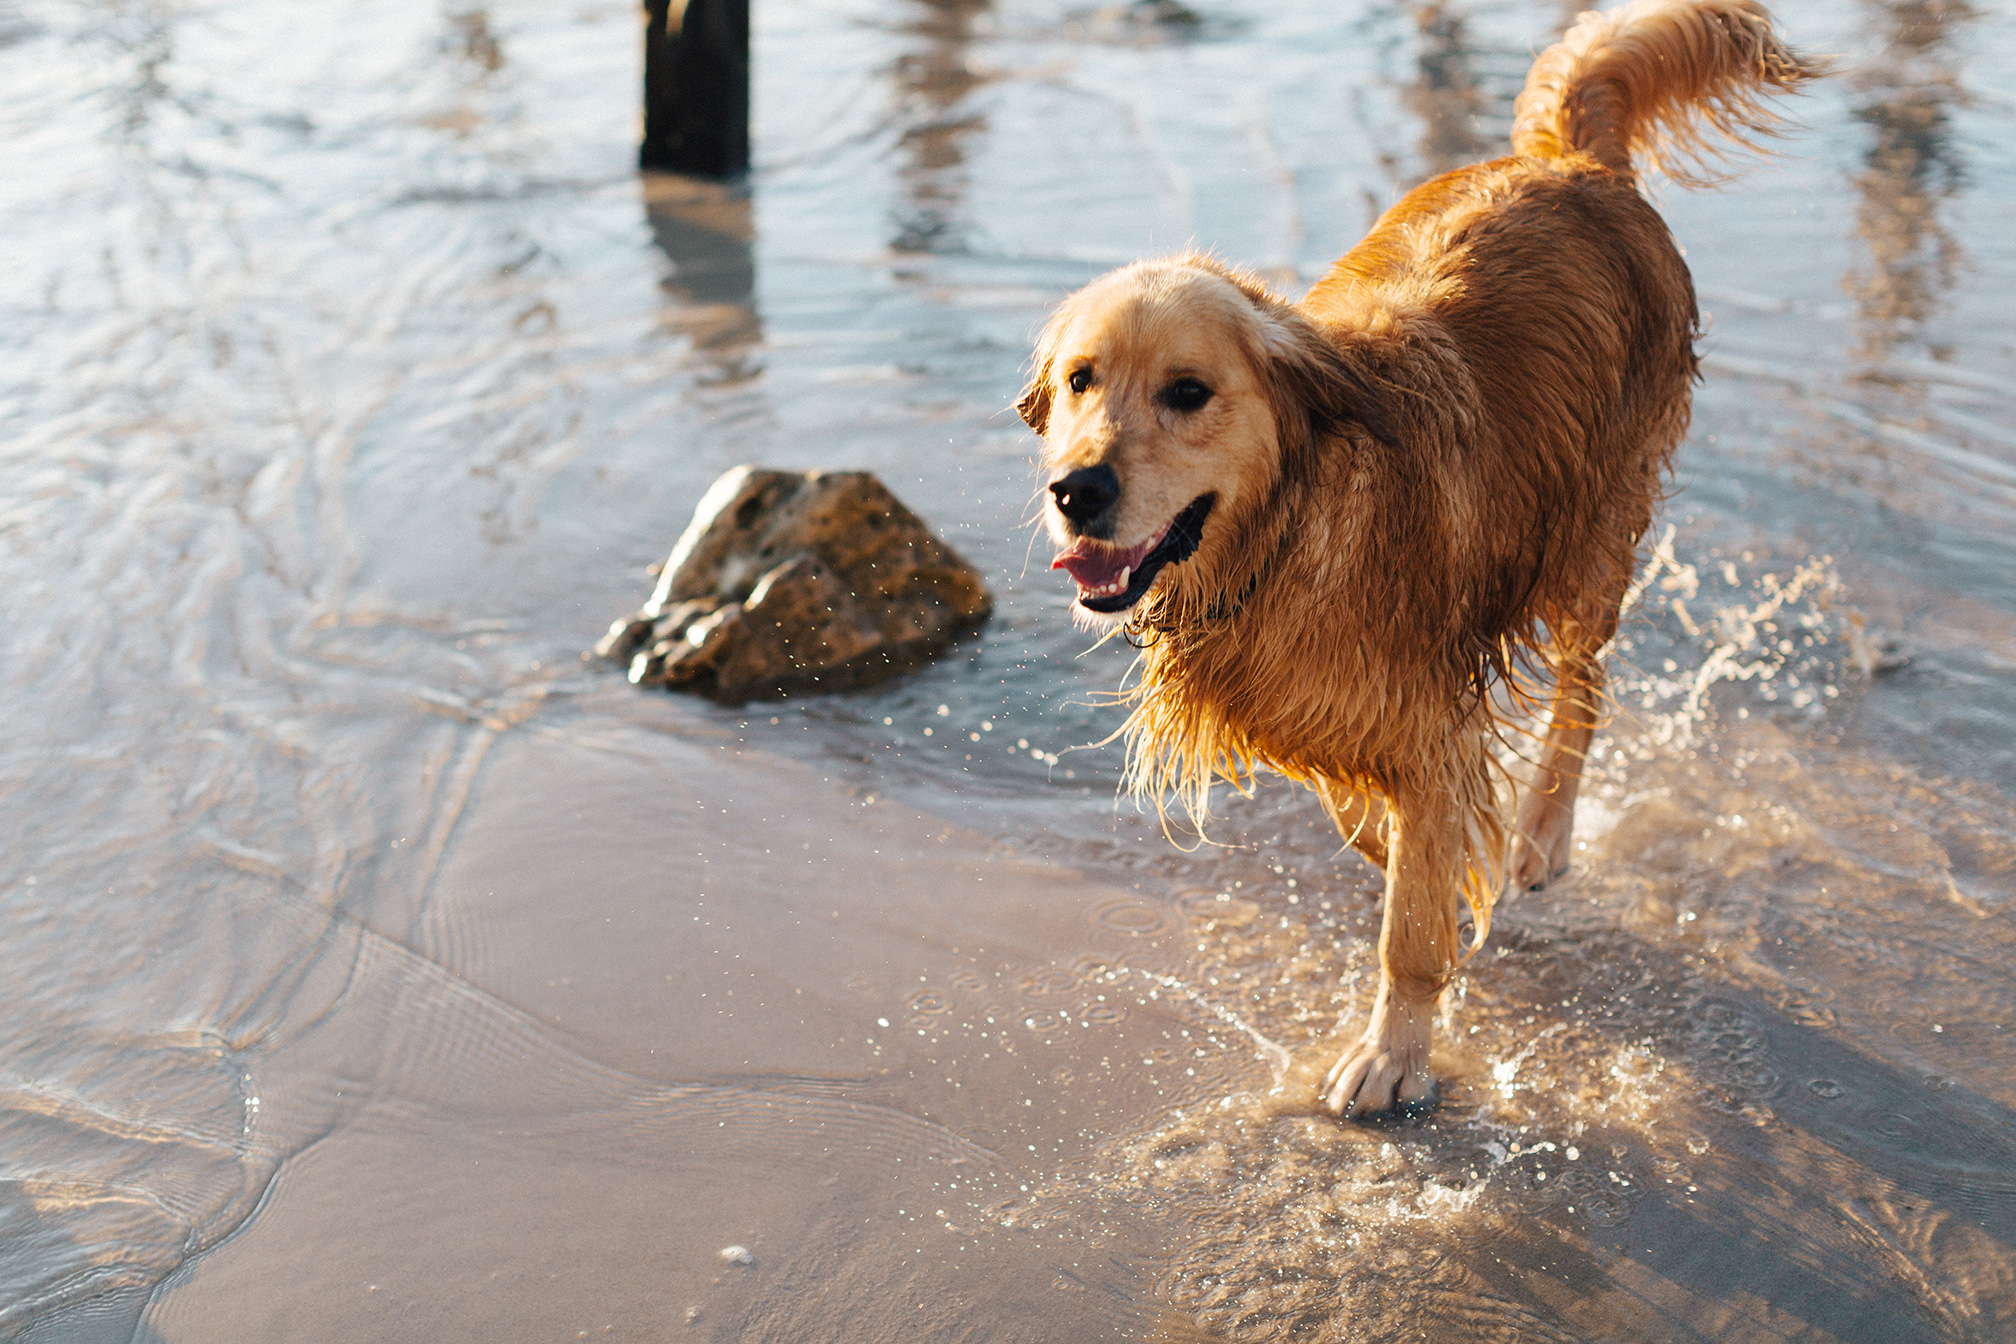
[380,967]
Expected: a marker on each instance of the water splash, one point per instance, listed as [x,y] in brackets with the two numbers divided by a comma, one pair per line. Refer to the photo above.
[1776,633]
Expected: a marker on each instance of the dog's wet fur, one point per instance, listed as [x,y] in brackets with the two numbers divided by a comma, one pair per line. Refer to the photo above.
[1336,526]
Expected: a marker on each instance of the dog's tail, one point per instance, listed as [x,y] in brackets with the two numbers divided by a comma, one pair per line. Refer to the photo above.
[1647,82]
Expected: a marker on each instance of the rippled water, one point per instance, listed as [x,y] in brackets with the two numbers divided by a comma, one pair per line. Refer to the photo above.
[379,969]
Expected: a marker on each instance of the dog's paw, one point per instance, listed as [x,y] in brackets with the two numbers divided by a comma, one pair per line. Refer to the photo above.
[1532,867]
[1387,1070]
[1542,841]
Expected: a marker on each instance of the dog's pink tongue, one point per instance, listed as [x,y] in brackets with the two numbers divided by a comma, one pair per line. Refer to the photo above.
[1093,564]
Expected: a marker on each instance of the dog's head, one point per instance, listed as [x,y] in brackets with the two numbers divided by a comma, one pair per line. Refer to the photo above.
[1172,396]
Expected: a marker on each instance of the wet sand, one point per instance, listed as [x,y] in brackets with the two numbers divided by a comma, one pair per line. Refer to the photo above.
[382,969]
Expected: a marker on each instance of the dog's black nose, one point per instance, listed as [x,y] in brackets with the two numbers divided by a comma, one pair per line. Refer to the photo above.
[1085,493]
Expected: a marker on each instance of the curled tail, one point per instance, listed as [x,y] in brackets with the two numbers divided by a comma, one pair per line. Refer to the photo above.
[1647,82]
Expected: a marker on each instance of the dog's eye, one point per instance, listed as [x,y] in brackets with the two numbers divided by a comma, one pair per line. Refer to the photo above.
[1079,380]
[1185,394]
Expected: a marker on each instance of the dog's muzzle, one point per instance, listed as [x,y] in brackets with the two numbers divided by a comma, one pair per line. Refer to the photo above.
[1113,578]
[1086,494]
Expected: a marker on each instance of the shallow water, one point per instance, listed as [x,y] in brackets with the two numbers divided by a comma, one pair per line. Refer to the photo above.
[380,969]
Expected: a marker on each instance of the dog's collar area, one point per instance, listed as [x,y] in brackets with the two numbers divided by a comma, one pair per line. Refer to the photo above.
[1179,542]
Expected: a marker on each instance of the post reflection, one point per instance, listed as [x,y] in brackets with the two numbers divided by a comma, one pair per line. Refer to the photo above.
[471,39]
[1445,93]
[1912,167]
[707,230]
[932,82]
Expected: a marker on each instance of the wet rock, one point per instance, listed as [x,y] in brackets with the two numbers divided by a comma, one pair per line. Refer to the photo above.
[788,580]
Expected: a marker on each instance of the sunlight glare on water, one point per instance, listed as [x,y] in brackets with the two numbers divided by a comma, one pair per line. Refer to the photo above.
[379,968]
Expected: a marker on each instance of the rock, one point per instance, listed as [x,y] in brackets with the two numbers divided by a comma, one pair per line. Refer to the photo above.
[786,580]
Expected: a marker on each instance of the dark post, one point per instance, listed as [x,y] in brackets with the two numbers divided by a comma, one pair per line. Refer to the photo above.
[696,87]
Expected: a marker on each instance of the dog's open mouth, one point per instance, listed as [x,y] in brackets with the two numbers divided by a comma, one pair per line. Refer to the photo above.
[1113,578]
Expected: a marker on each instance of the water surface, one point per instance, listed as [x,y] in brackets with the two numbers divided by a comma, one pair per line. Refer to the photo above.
[381,969]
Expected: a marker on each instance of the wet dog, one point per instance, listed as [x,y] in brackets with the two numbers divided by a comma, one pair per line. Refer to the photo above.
[1338,527]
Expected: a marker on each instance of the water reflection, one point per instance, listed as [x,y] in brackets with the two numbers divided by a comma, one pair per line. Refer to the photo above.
[470,38]
[473,46]
[1144,23]
[146,39]
[1446,95]
[1911,169]
[707,230]
[1767,1014]
[931,85]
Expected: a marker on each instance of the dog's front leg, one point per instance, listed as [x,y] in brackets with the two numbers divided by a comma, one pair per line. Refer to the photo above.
[1418,947]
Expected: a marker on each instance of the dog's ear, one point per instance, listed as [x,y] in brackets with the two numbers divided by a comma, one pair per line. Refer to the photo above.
[1034,405]
[1317,387]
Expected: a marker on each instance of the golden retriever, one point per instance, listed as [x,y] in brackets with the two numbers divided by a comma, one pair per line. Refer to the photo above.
[1335,526]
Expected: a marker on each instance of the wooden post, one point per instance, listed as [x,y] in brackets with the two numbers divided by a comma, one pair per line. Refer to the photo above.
[696,87]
